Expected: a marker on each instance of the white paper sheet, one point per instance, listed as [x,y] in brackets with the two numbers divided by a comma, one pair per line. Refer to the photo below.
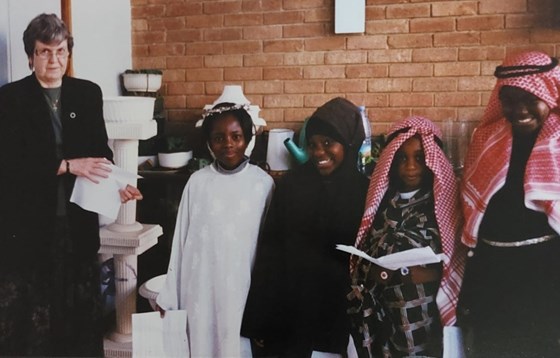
[103,198]
[453,342]
[153,336]
[407,258]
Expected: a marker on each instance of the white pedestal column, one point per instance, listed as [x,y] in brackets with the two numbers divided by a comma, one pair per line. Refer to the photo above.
[125,239]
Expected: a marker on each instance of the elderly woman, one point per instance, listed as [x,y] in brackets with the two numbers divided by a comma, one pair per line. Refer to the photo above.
[51,131]
[510,199]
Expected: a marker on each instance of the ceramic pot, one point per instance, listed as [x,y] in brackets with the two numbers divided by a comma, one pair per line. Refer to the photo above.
[174,160]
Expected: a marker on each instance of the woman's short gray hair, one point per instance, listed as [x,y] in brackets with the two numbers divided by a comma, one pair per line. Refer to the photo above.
[46,28]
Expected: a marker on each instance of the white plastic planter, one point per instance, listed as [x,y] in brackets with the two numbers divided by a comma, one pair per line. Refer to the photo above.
[174,160]
[142,82]
[124,109]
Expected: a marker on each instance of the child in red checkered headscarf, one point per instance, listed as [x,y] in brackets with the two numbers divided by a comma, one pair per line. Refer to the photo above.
[411,203]
[510,198]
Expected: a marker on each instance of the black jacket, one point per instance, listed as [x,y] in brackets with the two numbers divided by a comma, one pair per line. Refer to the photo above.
[28,167]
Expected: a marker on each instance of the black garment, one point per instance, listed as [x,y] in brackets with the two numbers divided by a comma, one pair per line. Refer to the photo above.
[297,301]
[28,190]
[509,302]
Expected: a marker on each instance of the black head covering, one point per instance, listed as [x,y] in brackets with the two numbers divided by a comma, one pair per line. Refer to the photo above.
[341,120]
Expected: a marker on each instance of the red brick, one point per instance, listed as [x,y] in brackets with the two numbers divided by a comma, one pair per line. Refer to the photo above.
[408,11]
[183,35]
[263,87]
[222,34]
[243,74]
[545,35]
[411,70]
[166,50]
[260,5]
[470,113]
[367,42]
[262,32]
[370,100]
[481,53]
[345,57]
[515,21]
[283,100]
[435,114]
[242,47]
[457,69]
[434,54]
[456,8]
[383,117]
[205,48]
[318,15]
[310,86]
[433,84]
[202,21]
[176,88]
[395,26]
[283,17]
[205,74]
[474,23]
[457,99]
[432,25]
[410,41]
[221,7]
[389,56]
[223,61]
[304,30]
[367,71]
[479,83]
[325,44]
[182,62]
[346,86]
[283,45]
[375,12]
[304,58]
[509,37]
[183,9]
[455,39]
[302,4]
[411,100]
[390,85]
[283,73]
[324,72]
[174,75]
[263,60]
[250,19]
[501,7]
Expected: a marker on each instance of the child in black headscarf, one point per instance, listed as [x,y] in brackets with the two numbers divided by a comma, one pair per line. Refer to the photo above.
[297,305]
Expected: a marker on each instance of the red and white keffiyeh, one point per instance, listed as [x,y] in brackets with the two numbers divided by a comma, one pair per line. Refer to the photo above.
[487,160]
[445,204]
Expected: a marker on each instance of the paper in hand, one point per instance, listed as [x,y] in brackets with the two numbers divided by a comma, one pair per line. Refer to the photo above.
[102,198]
[407,258]
[153,336]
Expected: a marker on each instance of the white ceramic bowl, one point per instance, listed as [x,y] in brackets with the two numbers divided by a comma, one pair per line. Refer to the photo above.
[174,160]
[150,289]
[142,82]
[128,109]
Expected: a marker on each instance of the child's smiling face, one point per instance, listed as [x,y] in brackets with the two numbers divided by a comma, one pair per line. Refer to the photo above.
[409,162]
[326,153]
[227,142]
[525,111]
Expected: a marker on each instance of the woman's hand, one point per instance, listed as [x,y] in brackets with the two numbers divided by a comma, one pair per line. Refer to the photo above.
[130,193]
[91,168]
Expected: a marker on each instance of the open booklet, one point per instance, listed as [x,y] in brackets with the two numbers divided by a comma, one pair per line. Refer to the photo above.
[407,258]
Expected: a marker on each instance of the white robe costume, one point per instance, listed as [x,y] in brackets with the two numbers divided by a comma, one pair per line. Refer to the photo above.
[214,243]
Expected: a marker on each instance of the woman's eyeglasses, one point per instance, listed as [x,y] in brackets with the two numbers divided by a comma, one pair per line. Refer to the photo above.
[46,53]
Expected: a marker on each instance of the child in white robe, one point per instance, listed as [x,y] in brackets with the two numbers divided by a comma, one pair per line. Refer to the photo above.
[218,222]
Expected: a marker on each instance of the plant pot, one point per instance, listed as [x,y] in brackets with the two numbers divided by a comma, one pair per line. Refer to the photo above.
[124,109]
[174,160]
[142,82]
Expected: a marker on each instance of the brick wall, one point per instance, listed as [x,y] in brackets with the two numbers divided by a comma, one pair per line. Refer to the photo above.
[431,58]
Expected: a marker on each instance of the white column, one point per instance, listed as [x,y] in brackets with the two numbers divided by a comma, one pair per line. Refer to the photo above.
[125,239]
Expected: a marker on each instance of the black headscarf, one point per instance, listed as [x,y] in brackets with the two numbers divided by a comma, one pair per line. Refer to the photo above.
[340,120]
